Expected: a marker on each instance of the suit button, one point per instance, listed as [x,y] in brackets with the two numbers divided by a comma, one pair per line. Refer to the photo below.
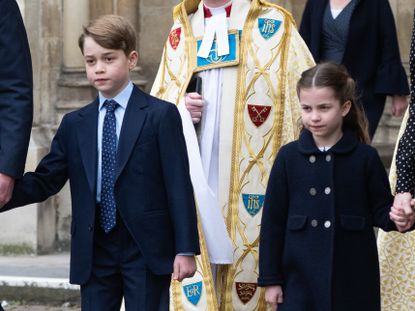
[328,158]
[314,223]
[327,224]
[312,159]
[90,227]
[313,191]
[327,190]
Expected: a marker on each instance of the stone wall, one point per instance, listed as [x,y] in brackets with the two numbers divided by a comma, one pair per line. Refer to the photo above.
[60,86]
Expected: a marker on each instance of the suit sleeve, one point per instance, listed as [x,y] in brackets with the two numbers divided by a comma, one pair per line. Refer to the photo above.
[380,194]
[391,78]
[49,177]
[273,224]
[175,166]
[16,90]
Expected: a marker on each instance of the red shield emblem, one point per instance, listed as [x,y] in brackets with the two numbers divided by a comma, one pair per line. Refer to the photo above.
[258,113]
[174,37]
[245,291]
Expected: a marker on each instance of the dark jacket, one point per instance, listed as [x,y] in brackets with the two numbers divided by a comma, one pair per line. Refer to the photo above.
[372,52]
[317,237]
[16,90]
[153,191]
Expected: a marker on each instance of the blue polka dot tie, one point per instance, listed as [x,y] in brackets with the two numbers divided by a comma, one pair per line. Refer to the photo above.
[109,150]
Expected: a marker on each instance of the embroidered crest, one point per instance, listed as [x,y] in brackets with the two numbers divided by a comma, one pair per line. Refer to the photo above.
[258,113]
[253,202]
[245,291]
[216,61]
[193,292]
[268,27]
[174,37]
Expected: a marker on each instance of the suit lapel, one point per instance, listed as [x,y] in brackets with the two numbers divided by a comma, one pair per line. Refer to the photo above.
[132,124]
[87,139]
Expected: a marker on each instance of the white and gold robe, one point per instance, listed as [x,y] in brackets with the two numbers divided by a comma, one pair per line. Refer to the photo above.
[259,112]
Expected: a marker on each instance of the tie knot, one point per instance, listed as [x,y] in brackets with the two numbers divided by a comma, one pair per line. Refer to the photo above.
[110,105]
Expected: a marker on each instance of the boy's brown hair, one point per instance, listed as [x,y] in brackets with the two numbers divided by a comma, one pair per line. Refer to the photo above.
[111,32]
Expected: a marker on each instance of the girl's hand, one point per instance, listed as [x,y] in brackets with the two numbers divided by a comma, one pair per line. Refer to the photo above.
[273,296]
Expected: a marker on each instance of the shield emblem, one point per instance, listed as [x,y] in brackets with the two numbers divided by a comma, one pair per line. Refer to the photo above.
[258,113]
[245,291]
[193,292]
[253,202]
[174,37]
[268,27]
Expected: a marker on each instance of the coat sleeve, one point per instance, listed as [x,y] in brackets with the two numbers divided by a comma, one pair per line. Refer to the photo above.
[405,156]
[49,177]
[380,195]
[305,26]
[16,90]
[273,224]
[390,77]
[175,166]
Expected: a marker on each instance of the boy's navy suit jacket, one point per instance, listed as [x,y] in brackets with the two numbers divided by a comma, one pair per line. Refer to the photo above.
[153,191]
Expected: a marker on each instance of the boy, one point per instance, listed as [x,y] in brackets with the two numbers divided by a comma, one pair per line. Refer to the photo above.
[124,154]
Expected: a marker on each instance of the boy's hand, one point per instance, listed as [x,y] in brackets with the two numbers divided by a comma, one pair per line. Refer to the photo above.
[194,103]
[6,189]
[273,296]
[183,267]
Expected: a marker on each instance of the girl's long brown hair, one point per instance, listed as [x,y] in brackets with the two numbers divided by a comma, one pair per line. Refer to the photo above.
[337,78]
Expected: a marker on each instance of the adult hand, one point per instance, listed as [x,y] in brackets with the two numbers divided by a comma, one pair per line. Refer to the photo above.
[274,296]
[194,103]
[6,189]
[399,105]
[403,201]
[402,221]
[183,267]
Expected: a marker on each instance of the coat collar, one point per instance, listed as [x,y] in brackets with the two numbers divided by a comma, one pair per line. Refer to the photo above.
[346,144]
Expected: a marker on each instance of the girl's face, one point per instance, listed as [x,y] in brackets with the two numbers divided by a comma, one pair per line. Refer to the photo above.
[322,114]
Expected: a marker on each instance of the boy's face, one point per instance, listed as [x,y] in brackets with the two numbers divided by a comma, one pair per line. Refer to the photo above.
[107,70]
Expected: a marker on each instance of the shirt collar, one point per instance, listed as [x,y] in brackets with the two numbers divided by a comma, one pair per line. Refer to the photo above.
[208,11]
[121,98]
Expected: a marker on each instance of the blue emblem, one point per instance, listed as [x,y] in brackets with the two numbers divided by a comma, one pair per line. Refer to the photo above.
[193,292]
[268,27]
[220,61]
[253,202]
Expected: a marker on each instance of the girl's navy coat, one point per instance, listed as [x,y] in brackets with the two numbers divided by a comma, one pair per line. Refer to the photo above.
[317,237]
[371,54]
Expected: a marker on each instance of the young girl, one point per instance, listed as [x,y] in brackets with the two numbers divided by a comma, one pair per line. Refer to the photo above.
[326,192]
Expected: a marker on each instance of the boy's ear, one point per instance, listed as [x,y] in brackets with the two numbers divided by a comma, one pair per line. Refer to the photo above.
[132,59]
[346,108]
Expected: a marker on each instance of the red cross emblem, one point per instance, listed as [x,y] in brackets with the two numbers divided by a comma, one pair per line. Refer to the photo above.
[258,113]
[174,37]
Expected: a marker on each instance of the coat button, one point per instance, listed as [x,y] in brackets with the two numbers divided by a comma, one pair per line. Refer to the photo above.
[313,191]
[327,224]
[314,223]
[312,158]
[327,190]
[328,158]
[90,227]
